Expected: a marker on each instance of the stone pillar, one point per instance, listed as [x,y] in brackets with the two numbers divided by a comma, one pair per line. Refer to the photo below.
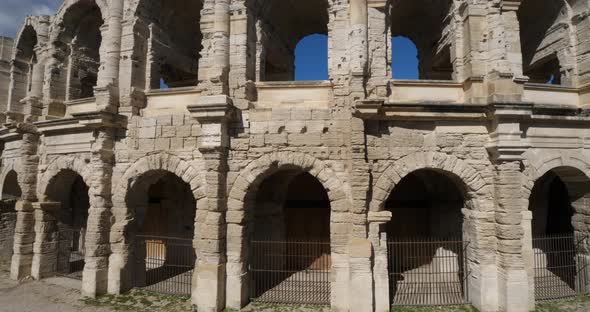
[506,149]
[504,77]
[514,275]
[381,260]
[471,53]
[33,105]
[360,47]
[95,274]
[209,279]
[218,75]
[24,236]
[107,89]
[46,240]
[528,253]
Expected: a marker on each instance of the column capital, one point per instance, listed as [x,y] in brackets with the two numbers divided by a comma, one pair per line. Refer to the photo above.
[213,109]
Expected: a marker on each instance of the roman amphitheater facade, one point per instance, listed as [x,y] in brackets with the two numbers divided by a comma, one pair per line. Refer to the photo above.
[99,161]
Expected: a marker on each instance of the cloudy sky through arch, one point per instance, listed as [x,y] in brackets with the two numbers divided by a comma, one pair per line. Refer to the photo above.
[13,12]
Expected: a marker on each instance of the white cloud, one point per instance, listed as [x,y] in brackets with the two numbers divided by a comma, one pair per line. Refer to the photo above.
[13,12]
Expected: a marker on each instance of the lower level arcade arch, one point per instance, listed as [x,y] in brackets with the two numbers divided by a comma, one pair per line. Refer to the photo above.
[289,240]
[162,232]
[426,248]
[66,208]
[557,203]
[11,193]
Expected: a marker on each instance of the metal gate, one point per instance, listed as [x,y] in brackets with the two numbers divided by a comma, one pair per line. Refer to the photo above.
[70,252]
[427,271]
[560,267]
[290,272]
[164,264]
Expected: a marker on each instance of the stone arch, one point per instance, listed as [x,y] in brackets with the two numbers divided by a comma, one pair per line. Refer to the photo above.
[73,68]
[61,12]
[160,162]
[78,165]
[239,216]
[35,22]
[265,166]
[539,165]
[458,170]
[121,236]
[27,67]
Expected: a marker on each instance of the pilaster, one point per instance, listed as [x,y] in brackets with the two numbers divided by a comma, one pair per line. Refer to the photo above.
[209,279]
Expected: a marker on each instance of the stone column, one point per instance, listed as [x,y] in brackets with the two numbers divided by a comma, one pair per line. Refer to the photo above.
[506,148]
[209,279]
[33,105]
[95,274]
[377,220]
[46,240]
[107,90]
[220,47]
[24,236]
[359,47]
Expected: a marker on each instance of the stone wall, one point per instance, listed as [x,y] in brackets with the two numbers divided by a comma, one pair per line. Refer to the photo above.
[228,133]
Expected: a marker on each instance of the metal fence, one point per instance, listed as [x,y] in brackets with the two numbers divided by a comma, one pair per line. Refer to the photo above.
[560,269]
[70,252]
[290,272]
[164,264]
[427,271]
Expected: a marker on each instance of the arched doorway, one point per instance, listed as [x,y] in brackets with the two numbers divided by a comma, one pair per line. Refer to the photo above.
[67,217]
[426,247]
[164,209]
[11,193]
[558,246]
[289,240]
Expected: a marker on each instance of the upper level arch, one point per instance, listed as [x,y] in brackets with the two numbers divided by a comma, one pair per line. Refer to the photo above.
[548,52]
[433,35]
[27,68]
[167,42]
[280,26]
[76,36]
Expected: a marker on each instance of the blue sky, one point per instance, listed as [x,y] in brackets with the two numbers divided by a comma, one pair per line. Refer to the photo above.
[311,55]
[311,58]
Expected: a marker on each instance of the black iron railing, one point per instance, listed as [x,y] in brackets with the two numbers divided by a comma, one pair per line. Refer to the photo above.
[164,264]
[70,252]
[290,272]
[560,267]
[427,271]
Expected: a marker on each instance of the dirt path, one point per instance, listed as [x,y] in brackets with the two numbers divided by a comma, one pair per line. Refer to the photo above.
[49,295]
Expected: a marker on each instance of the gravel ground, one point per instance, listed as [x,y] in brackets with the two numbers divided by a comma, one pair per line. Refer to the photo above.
[63,295]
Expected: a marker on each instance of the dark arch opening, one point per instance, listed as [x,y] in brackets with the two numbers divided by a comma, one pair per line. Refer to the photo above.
[540,45]
[290,240]
[69,190]
[432,38]
[281,25]
[311,58]
[11,193]
[427,250]
[555,244]
[80,41]
[164,213]
[173,42]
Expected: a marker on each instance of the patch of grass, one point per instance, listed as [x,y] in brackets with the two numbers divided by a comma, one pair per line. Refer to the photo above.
[455,308]
[580,303]
[142,301]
